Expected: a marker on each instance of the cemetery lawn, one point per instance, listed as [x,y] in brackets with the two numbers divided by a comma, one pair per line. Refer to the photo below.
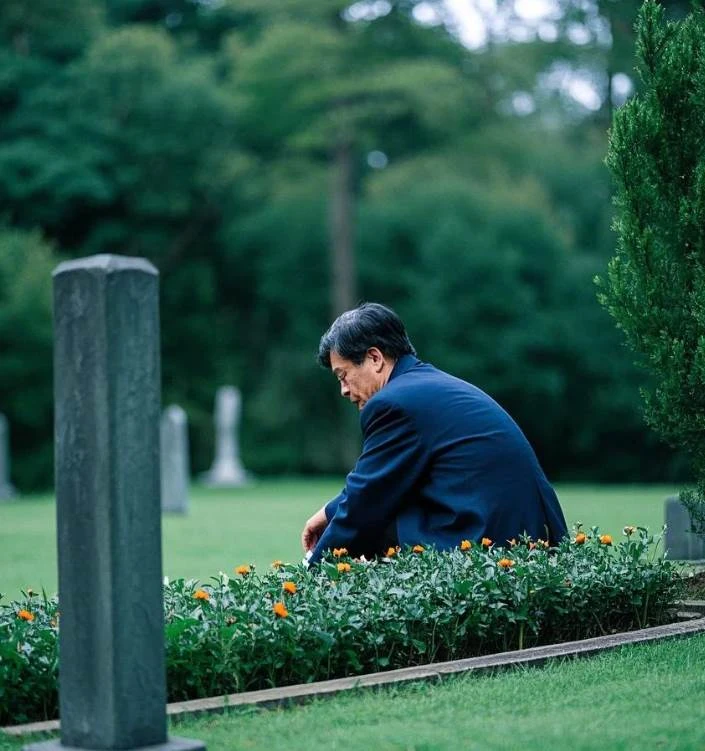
[640,696]
[261,523]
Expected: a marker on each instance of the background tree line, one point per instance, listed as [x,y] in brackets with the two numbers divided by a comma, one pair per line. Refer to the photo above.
[280,160]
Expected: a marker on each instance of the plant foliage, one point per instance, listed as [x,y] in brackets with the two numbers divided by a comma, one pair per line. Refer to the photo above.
[292,625]
[655,286]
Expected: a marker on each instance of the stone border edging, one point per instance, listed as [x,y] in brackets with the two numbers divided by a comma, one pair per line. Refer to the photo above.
[530,657]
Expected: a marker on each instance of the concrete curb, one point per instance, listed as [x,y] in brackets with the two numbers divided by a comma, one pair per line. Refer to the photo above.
[271,697]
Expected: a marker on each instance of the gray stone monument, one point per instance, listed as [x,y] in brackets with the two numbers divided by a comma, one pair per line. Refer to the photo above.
[106,388]
[175,461]
[6,489]
[681,544]
[227,470]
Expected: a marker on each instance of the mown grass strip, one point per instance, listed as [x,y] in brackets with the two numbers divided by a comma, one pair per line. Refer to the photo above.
[637,696]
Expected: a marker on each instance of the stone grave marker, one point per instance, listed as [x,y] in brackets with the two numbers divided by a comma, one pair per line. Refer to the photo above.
[106,387]
[175,460]
[680,542]
[6,489]
[227,470]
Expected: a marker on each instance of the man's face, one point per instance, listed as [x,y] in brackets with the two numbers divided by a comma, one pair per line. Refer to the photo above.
[358,383]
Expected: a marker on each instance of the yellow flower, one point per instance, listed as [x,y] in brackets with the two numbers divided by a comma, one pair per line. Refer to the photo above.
[277,564]
[289,587]
[243,570]
[25,615]
[391,552]
[532,545]
[340,552]
[486,542]
[512,542]
[343,567]
[606,539]
[465,544]
[201,594]
[580,538]
[280,610]
[418,549]
[505,563]
[629,530]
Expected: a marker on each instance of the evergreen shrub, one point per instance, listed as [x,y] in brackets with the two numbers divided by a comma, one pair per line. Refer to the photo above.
[655,286]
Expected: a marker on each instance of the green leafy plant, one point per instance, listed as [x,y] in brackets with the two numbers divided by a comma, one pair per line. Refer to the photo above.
[296,625]
[655,287]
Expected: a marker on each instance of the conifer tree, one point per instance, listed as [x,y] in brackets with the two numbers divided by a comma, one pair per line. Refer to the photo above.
[655,286]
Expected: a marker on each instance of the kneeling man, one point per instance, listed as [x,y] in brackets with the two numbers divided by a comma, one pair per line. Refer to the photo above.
[441,461]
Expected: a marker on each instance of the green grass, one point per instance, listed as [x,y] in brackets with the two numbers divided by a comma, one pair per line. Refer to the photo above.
[641,696]
[260,523]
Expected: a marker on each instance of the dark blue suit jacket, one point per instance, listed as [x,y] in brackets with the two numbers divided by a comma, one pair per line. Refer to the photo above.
[441,462]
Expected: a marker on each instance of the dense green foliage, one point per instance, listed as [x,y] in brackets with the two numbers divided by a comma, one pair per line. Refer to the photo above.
[280,159]
[656,289]
[293,625]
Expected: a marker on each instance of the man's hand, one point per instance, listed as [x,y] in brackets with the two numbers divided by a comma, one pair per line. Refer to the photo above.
[313,529]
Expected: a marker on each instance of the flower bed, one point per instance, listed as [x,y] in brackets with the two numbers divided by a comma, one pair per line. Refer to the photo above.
[292,625]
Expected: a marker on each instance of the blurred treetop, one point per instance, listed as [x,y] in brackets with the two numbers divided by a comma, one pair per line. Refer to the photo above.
[280,160]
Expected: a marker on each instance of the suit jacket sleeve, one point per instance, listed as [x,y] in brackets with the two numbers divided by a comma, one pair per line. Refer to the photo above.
[332,506]
[391,461]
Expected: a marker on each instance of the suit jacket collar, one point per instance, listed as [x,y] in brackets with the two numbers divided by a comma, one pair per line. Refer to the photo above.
[402,365]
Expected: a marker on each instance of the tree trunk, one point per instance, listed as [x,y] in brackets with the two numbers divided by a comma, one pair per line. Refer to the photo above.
[341,229]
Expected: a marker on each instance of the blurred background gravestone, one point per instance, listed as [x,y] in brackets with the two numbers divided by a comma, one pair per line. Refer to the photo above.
[227,470]
[680,542]
[112,692]
[175,472]
[6,489]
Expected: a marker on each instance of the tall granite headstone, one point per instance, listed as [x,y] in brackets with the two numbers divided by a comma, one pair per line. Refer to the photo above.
[106,387]
[227,470]
[681,544]
[175,460]
[6,489]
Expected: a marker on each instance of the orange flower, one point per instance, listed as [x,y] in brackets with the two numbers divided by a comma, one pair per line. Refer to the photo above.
[391,552]
[606,539]
[512,542]
[417,549]
[243,570]
[340,552]
[280,610]
[532,545]
[277,564]
[343,567]
[486,542]
[629,530]
[201,594]
[25,615]
[289,587]
[542,543]
[465,544]
[505,563]
[580,538]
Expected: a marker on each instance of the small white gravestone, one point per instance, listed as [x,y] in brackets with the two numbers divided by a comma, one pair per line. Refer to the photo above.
[6,489]
[227,470]
[175,472]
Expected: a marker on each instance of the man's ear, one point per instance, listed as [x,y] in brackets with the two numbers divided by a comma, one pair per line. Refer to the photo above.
[377,358]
